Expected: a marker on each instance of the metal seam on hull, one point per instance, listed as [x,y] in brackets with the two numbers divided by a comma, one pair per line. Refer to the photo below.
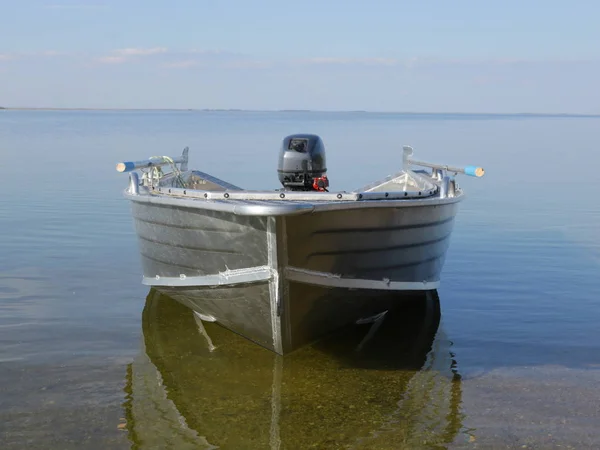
[333,280]
[182,227]
[167,263]
[380,229]
[237,208]
[383,249]
[375,204]
[186,207]
[274,290]
[202,249]
[229,277]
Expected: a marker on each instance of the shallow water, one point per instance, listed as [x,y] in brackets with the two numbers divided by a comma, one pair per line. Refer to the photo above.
[89,358]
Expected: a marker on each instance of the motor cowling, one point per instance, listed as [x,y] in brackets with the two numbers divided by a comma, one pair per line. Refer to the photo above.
[302,163]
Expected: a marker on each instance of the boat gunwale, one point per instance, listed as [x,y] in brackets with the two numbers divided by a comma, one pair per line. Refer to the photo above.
[285,207]
[371,191]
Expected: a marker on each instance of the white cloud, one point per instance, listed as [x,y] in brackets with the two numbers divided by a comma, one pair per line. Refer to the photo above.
[345,61]
[222,59]
[125,54]
[140,51]
[210,52]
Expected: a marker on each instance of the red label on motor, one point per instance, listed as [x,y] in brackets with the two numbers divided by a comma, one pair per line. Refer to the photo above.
[321,183]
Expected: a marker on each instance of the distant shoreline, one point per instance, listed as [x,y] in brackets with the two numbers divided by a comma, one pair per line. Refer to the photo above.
[531,114]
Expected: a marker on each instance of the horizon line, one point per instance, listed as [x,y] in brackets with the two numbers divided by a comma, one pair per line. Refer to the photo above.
[292,110]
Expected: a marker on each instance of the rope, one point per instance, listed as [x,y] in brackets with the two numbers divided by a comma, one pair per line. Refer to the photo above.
[156,171]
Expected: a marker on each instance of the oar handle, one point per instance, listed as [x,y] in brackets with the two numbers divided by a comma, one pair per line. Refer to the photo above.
[473,171]
[128,166]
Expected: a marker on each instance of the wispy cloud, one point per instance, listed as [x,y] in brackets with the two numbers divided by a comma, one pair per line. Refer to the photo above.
[140,51]
[194,58]
[350,61]
[222,63]
[373,62]
[196,51]
[408,63]
[186,59]
[228,60]
[126,54]
[426,62]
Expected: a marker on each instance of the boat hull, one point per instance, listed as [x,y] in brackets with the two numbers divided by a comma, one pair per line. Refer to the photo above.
[283,281]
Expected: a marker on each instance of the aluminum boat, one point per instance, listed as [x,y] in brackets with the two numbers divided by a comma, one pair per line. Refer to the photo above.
[283,267]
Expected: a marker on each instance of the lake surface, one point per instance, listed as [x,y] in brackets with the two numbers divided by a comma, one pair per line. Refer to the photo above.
[90,358]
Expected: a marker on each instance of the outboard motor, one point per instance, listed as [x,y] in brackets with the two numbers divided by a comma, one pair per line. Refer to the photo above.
[302,164]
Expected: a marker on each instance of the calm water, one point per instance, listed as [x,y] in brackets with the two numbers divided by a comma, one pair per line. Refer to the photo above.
[90,358]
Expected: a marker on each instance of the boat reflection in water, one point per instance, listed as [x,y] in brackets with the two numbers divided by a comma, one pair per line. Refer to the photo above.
[388,382]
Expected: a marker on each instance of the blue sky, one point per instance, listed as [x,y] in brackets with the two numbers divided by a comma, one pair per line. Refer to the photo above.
[467,56]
